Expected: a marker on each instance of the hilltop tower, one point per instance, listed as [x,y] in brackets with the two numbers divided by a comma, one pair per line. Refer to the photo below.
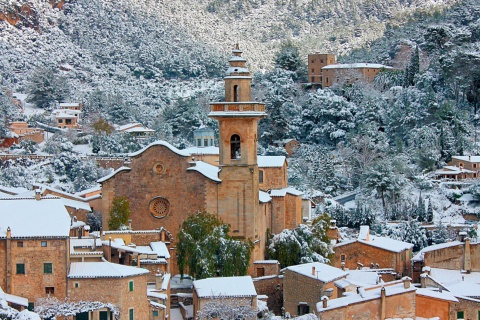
[238,116]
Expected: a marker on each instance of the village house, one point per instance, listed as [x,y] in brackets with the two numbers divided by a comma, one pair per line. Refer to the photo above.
[374,252]
[25,132]
[315,280]
[34,247]
[212,294]
[289,144]
[165,185]
[316,61]
[124,287]
[460,168]
[393,300]
[136,130]
[67,116]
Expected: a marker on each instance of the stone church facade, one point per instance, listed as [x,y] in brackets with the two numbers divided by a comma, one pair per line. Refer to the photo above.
[165,185]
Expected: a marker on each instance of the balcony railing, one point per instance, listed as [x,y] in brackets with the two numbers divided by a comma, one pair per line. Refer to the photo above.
[237,107]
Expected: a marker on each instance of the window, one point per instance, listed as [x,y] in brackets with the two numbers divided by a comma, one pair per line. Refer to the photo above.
[103,315]
[155,313]
[235,93]
[260,271]
[313,70]
[20,244]
[235,147]
[260,176]
[342,257]
[199,142]
[68,121]
[50,290]
[31,306]
[474,165]
[77,284]
[20,268]
[321,60]
[47,267]
[205,142]
[44,243]
[130,286]
[130,314]
[303,309]
[60,120]
[460,314]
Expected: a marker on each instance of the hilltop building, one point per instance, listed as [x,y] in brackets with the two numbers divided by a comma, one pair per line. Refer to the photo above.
[325,71]
[250,193]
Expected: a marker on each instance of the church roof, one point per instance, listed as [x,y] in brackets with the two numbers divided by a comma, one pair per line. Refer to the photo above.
[160,143]
[283,192]
[271,161]
[208,170]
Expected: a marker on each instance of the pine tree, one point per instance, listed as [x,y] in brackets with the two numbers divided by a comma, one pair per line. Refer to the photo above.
[429,216]
[47,87]
[439,234]
[119,213]
[421,213]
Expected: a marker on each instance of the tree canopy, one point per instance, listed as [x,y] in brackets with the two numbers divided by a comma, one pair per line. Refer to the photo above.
[205,248]
[119,213]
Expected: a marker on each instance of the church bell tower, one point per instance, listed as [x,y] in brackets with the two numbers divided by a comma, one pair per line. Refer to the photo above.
[238,116]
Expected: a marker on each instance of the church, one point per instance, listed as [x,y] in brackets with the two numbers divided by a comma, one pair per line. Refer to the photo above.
[249,192]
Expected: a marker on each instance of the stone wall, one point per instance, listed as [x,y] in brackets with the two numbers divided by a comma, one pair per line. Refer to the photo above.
[299,288]
[470,307]
[274,178]
[446,258]
[272,287]
[428,307]
[32,285]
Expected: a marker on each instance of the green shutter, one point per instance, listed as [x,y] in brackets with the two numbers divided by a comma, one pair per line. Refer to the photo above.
[20,268]
[47,268]
[460,315]
[130,314]
[31,306]
[130,285]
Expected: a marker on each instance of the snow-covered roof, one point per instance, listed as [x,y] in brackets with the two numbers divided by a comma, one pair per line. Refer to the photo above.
[21,301]
[323,272]
[113,174]
[271,161]
[453,277]
[160,249]
[464,288]
[44,187]
[156,294]
[264,197]
[87,191]
[360,65]
[444,295]
[13,190]
[103,270]
[128,126]
[84,242]
[160,143]
[467,158]
[366,294]
[420,255]
[283,192]
[64,115]
[236,59]
[202,150]
[452,170]
[266,262]
[28,218]
[381,242]
[234,114]
[225,287]
[120,246]
[70,104]
[364,233]
[138,129]
[208,170]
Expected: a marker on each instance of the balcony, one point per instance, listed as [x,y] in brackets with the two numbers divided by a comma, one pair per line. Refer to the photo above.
[237,107]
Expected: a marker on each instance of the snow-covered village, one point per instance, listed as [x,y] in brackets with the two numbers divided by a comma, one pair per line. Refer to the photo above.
[239,159]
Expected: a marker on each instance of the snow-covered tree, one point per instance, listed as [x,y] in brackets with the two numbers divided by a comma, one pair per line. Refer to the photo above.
[205,248]
[119,213]
[47,87]
[221,307]
[439,234]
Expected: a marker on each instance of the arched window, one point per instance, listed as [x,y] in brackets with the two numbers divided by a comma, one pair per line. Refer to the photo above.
[235,93]
[235,147]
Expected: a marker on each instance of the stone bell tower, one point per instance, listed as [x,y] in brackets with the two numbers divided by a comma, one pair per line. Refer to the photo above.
[238,116]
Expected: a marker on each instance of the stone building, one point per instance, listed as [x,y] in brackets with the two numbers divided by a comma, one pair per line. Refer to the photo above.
[34,247]
[305,284]
[373,252]
[228,292]
[460,167]
[316,61]
[165,185]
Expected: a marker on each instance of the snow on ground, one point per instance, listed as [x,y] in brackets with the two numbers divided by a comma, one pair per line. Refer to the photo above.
[85,149]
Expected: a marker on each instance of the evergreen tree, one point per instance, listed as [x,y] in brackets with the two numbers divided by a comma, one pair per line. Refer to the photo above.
[421,212]
[119,213]
[429,216]
[205,249]
[439,234]
[47,87]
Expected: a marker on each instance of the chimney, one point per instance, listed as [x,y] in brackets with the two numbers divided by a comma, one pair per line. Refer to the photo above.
[423,280]
[38,194]
[130,224]
[158,280]
[9,233]
[406,282]
[313,271]
[383,302]
[467,260]
[324,302]
[343,266]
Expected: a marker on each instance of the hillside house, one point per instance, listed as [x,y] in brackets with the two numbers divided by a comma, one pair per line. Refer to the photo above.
[67,116]
[374,252]
[316,61]
[136,130]
[25,132]
[304,284]
[350,73]
[459,168]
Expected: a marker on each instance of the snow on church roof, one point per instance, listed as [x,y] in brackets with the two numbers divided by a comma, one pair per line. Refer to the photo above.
[225,287]
[160,143]
[208,170]
[202,150]
[271,161]
[103,270]
[283,192]
[29,218]
[264,197]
